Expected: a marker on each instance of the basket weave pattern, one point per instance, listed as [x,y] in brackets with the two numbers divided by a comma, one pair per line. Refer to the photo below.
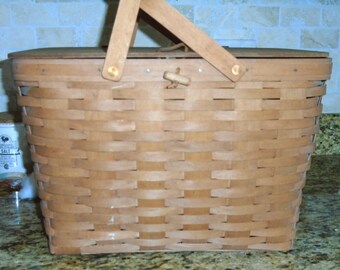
[132,166]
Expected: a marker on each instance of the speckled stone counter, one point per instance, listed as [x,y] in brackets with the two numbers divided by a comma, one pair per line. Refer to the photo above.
[23,244]
[328,139]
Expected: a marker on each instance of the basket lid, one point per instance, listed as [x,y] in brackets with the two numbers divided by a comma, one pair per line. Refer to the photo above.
[100,53]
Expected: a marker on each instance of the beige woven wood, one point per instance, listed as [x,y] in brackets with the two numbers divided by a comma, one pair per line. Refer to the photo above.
[145,164]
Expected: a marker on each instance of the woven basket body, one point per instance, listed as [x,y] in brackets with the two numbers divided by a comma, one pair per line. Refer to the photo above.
[137,165]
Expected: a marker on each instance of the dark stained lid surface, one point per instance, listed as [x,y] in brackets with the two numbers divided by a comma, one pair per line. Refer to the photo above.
[92,53]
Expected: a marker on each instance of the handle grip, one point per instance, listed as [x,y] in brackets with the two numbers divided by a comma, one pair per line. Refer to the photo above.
[177,78]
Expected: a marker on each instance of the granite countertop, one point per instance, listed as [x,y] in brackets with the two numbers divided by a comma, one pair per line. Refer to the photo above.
[23,244]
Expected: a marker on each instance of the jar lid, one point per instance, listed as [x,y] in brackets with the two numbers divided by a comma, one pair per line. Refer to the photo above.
[9,118]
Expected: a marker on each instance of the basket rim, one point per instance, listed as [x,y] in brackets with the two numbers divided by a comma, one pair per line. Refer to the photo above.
[151,52]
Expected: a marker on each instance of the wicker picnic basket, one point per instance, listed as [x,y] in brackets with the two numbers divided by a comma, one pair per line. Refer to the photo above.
[170,151]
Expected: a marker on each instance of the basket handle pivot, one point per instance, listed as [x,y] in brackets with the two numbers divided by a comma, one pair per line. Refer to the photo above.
[174,22]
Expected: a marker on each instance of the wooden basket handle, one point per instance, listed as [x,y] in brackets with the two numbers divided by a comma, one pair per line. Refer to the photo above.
[120,40]
[174,22]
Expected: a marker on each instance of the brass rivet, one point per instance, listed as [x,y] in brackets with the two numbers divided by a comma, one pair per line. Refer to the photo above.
[235,70]
[113,71]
